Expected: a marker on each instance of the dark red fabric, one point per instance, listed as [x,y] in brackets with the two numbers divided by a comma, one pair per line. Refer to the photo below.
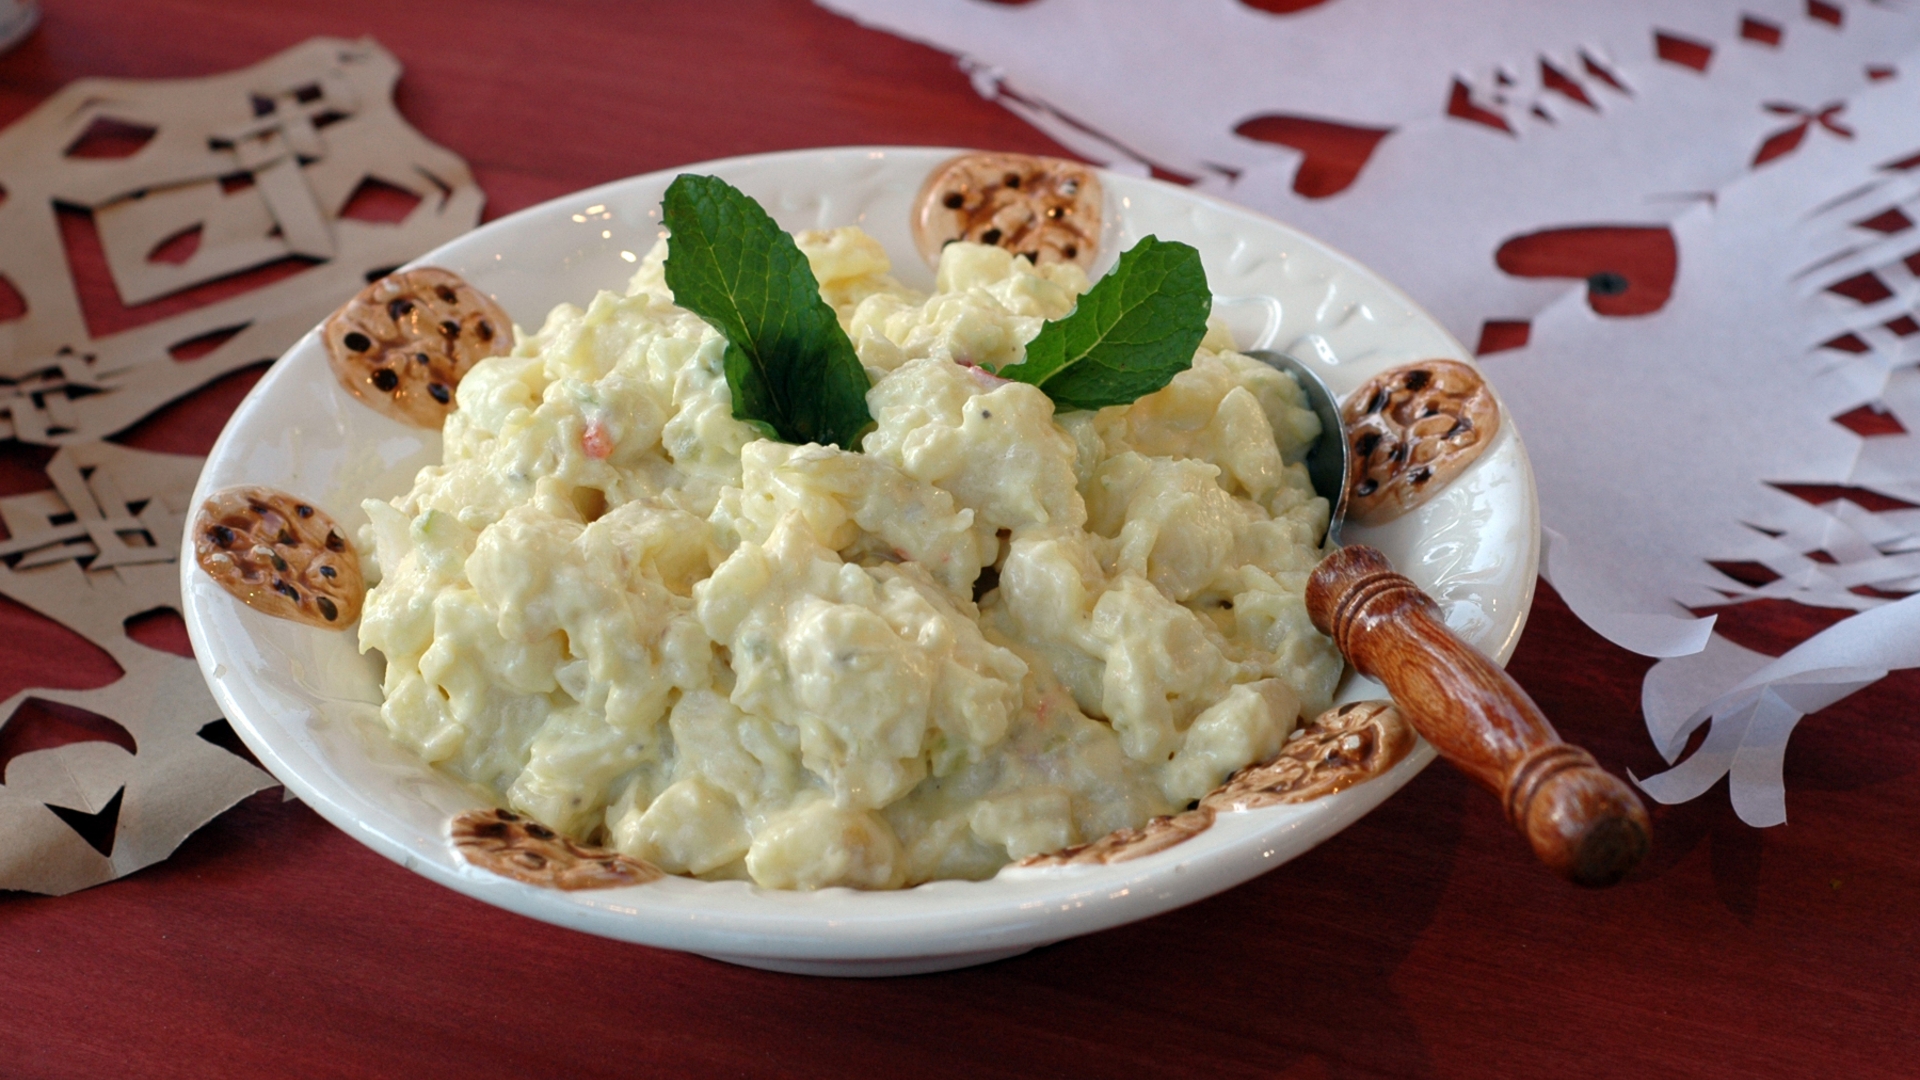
[1421,942]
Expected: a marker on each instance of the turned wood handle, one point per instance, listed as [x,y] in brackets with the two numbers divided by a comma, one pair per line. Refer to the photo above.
[1583,822]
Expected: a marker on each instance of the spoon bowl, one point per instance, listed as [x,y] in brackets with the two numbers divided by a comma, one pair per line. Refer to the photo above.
[1326,460]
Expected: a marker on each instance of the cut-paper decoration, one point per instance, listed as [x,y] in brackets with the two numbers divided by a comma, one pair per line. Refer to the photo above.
[1506,118]
[1584,586]
[103,544]
[88,812]
[189,182]
[1753,716]
[1439,203]
[96,550]
[1215,65]
[296,181]
[1654,439]
[1657,443]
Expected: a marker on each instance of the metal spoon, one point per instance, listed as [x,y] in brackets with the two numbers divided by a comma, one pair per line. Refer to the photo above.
[1326,460]
[1582,821]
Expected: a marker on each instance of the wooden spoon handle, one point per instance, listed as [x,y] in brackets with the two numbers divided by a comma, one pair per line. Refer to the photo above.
[1584,822]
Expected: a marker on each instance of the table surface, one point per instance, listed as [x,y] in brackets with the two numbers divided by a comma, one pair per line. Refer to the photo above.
[1421,942]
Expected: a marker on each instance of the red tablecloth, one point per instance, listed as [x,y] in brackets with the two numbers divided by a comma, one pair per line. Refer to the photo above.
[1423,941]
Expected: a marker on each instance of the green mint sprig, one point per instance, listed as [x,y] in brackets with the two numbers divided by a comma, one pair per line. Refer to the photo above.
[1130,334]
[794,374]
[792,370]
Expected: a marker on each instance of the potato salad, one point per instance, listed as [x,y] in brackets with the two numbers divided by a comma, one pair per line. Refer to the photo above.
[994,631]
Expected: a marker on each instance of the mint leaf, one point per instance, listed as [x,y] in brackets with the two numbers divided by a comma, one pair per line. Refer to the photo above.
[1130,334]
[792,370]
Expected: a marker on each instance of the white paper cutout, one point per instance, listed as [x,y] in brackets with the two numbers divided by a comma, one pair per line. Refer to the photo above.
[1585,588]
[1753,718]
[1378,63]
[1751,402]
[1456,189]
[1651,438]
[262,162]
[1728,389]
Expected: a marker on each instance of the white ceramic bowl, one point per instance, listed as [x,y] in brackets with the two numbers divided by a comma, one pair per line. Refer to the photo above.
[307,702]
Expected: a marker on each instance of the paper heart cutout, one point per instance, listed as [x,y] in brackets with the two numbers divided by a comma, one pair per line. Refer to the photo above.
[1629,269]
[1282,7]
[1334,153]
